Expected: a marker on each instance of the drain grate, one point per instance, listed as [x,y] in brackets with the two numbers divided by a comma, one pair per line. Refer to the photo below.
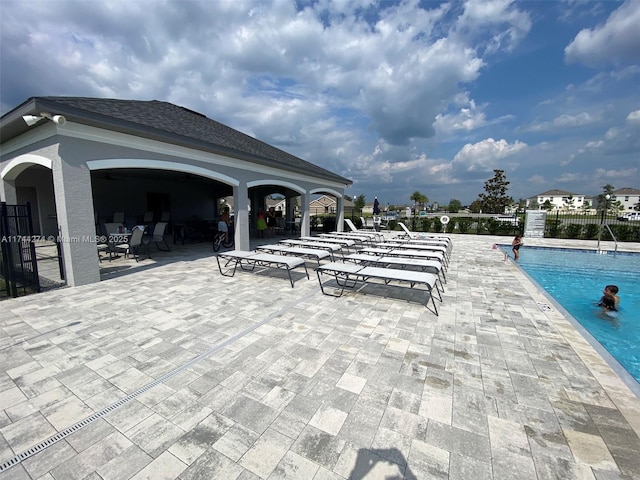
[95,416]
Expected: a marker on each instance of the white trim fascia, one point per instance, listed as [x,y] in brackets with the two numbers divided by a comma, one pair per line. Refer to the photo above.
[30,137]
[84,132]
[160,165]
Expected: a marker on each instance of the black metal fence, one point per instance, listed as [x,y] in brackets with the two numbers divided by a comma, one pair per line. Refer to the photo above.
[18,266]
[557,225]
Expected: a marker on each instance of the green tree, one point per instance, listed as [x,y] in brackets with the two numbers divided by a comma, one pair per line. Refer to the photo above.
[601,200]
[547,205]
[495,200]
[586,206]
[568,203]
[359,203]
[418,199]
[476,206]
[454,206]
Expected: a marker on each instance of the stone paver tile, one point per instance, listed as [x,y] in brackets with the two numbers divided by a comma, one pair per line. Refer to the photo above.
[392,446]
[552,468]
[93,457]
[507,436]
[126,465]
[266,453]
[46,460]
[405,423]
[250,413]
[456,440]
[154,434]
[235,442]
[318,446]
[428,461]
[212,464]
[278,398]
[294,466]
[165,467]
[198,439]
[66,412]
[436,407]
[590,450]
[351,383]
[365,463]
[11,397]
[462,467]
[325,474]
[27,432]
[507,465]
[328,419]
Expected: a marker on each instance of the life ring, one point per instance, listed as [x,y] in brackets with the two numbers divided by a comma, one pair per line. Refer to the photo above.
[444,219]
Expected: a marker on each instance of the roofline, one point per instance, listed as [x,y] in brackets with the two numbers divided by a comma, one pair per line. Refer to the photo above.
[36,105]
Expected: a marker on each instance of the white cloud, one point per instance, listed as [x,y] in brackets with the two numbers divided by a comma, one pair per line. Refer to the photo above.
[487,154]
[564,121]
[617,41]
[634,118]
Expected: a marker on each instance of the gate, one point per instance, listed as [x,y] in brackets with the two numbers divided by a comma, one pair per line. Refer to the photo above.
[18,267]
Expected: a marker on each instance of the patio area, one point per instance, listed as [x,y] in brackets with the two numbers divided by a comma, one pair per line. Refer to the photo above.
[166,369]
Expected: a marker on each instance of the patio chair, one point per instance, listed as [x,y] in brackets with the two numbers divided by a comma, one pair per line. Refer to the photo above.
[158,237]
[134,245]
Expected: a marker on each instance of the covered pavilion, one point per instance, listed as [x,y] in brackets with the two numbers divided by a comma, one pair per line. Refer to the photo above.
[78,160]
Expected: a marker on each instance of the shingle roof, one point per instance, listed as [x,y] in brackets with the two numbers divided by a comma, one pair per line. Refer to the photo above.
[173,124]
[626,191]
[557,192]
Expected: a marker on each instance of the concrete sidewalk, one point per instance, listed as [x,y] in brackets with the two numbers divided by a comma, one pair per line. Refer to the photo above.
[175,371]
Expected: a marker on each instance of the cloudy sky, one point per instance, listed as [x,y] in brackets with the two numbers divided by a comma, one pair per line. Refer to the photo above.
[399,97]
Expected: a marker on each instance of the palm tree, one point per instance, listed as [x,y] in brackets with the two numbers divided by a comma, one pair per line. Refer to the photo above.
[418,199]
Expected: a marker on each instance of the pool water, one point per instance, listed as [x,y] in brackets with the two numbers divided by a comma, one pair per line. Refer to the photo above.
[576,278]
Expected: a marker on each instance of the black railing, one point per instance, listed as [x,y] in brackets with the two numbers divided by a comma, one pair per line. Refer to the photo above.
[18,266]
[557,225]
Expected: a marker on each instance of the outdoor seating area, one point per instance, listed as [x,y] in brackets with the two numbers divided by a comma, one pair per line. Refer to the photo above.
[388,263]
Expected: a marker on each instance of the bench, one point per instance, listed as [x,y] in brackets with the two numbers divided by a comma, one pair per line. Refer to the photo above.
[312,253]
[424,264]
[250,260]
[347,275]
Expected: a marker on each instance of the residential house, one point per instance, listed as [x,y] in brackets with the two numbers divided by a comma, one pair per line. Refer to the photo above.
[560,200]
[628,197]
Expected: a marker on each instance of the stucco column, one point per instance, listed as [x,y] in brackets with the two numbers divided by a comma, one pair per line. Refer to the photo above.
[76,223]
[241,216]
[340,214]
[8,192]
[305,220]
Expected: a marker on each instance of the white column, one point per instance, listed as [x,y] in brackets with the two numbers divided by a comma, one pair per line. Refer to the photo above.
[305,220]
[241,216]
[340,214]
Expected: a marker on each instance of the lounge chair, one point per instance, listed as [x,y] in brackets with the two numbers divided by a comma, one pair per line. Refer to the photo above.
[370,234]
[406,253]
[330,247]
[250,260]
[416,235]
[312,253]
[347,275]
[435,266]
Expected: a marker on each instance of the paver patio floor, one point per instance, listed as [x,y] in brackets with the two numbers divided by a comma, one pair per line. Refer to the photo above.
[178,372]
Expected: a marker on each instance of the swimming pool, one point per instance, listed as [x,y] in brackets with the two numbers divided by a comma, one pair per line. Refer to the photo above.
[576,278]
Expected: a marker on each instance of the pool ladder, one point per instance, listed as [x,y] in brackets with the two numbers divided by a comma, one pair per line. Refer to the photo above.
[615,241]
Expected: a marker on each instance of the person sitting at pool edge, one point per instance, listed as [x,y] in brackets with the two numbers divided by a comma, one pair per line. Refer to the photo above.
[515,246]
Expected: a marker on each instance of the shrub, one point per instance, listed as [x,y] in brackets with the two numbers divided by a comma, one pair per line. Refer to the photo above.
[437,225]
[426,224]
[591,231]
[464,224]
[573,230]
